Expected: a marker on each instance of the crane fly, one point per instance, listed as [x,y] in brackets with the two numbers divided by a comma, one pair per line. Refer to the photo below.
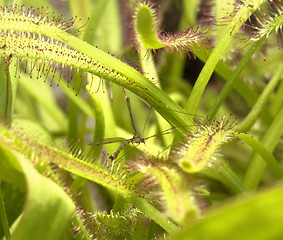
[135,139]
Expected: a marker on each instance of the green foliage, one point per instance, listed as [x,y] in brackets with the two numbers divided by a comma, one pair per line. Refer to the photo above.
[254,212]
[59,93]
[146,29]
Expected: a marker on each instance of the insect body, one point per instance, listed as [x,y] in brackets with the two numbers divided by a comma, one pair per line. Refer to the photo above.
[134,139]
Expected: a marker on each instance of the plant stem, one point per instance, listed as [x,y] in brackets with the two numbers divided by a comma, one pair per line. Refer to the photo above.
[119,204]
[223,173]
[154,214]
[244,12]
[269,141]
[77,100]
[264,153]
[99,123]
[257,108]
[277,100]
[228,86]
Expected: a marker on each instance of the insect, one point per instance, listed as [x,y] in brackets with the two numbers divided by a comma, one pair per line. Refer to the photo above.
[135,139]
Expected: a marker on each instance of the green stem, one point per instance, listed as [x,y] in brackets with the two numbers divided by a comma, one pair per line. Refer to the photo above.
[80,8]
[94,20]
[269,141]
[257,108]
[73,111]
[189,12]
[119,204]
[154,214]
[3,216]
[225,72]
[223,173]
[77,100]
[73,121]
[230,179]
[230,83]
[246,9]
[149,69]
[277,101]
[264,153]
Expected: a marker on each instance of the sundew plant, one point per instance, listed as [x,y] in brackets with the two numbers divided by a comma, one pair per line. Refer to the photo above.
[141,119]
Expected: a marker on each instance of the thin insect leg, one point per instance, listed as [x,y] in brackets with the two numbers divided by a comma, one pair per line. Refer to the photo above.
[131,116]
[134,139]
[164,150]
[147,118]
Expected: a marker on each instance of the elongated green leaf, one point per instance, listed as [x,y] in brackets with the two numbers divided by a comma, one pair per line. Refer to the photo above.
[258,216]
[245,10]
[48,209]
[10,170]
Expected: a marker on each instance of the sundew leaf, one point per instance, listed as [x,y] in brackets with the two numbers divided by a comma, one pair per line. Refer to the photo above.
[52,37]
[31,130]
[10,170]
[258,216]
[180,207]
[148,34]
[37,4]
[146,27]
[77,163]
[47,210]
